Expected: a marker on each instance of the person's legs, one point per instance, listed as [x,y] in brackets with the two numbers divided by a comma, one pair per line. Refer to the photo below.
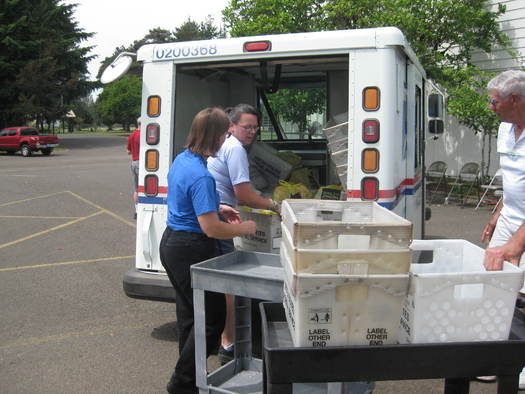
[502,233]
[135,176]
[228,334]
[178,251]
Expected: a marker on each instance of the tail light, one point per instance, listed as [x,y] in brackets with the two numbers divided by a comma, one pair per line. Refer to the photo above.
[257,46]
[369,188]
[152,134]
[370,131]
[151,185]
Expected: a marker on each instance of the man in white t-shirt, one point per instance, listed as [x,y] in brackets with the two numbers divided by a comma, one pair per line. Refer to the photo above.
[230,169]
[505,231]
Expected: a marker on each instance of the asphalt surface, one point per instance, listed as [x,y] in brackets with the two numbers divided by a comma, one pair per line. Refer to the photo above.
[67,236]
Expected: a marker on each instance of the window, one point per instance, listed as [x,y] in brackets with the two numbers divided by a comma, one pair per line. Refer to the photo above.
[3,133]
[11,132]
[26,132]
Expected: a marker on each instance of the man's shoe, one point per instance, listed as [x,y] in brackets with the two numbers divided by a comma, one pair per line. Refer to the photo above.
[486,379]
[135,215]
[225,356]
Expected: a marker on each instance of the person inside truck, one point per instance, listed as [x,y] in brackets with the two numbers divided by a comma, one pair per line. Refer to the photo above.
[230,169]
[505,231]
[134,150]
[193,226]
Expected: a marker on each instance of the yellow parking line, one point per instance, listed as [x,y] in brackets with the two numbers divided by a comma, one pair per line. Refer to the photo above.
[50,229]
[27,175]
[111,331]
[27,267]
[39,217]
[101,208]
[29,199]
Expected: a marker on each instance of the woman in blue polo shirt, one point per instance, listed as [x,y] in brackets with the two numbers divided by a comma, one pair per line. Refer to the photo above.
[193,226]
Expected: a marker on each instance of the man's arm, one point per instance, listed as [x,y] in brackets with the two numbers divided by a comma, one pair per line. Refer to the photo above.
[247,196]
[488,230]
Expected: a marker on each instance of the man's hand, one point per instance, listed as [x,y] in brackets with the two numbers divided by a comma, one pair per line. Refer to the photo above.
[488,230]
[494,257]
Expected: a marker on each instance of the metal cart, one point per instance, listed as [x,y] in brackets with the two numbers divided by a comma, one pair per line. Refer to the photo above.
[456,362]
[247,275]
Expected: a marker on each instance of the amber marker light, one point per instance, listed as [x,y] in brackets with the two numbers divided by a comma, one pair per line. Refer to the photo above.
[153,106]
[152,160]
[371,99]
[370,160]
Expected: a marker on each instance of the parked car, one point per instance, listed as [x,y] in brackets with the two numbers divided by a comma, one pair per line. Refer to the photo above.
[26,140]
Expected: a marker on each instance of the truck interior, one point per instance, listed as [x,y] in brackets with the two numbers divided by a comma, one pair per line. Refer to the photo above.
[297,98]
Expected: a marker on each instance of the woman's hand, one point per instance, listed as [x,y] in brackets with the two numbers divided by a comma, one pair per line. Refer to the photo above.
[230,214]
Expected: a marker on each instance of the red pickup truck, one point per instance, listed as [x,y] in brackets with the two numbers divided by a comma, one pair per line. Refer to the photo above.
[26,140]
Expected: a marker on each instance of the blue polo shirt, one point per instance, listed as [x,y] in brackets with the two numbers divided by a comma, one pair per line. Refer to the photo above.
[191,192]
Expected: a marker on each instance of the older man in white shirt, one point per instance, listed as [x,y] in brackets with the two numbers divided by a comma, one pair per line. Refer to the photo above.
[505,231]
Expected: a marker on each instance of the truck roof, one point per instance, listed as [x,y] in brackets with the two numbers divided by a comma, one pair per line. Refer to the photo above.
[291,44]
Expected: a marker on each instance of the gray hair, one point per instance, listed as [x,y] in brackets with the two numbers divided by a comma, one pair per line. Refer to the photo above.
[138,120]
[235,113]
[508,82]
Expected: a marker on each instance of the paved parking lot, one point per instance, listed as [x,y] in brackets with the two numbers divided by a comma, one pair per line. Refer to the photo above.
[67,236]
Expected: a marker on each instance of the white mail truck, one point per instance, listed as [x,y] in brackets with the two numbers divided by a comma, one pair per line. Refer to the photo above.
[368,79]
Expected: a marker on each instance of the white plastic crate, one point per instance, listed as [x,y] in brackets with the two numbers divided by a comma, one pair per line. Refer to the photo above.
[352,257]
[455,299]
[321,224]
[337,310]
[267,237]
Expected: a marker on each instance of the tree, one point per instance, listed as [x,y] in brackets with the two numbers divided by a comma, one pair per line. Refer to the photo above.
[469,105]
[294,105]
[120,101]
[444,34]
[42,66]
[189,30]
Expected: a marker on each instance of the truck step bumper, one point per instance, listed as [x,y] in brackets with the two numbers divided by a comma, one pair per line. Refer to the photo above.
[143,284]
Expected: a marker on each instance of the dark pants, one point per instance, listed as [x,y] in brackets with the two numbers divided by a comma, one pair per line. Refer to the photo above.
[179,250]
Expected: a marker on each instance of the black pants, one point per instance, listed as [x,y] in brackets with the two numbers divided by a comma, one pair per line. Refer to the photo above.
[179,250]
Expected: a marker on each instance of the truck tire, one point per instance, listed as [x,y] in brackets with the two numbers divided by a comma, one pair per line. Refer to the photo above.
[25,150]
[46,151]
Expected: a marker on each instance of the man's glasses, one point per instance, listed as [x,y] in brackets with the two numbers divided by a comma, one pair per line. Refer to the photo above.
[493,102]
[249,127]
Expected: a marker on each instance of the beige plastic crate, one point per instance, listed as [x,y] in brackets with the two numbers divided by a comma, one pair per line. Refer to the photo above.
[338,310]
[352,258]
[455,299]
[267,236]
[324,224]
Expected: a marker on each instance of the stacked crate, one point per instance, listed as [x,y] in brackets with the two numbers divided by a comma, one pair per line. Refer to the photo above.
[346,272]
[454,299]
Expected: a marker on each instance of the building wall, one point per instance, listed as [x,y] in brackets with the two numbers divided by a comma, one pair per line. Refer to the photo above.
[458,144]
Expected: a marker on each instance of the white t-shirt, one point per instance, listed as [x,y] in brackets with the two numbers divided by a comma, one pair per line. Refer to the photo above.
[512,164]
[229,167]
